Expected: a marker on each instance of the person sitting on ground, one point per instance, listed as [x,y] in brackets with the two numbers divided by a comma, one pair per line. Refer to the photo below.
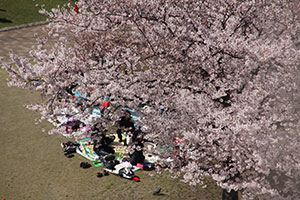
[137,156]
[72,125]
[138,135]
[102,142]
[133,136]
[125,124]
[107,140]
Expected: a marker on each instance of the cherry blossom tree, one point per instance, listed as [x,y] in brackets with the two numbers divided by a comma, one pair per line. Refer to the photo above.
[224,76]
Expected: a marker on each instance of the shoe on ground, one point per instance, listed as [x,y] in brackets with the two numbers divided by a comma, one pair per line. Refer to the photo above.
[85,165]
[99,174]
[106,173]
[69,155]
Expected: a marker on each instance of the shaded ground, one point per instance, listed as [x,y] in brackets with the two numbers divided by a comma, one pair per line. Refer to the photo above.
[32,165]
[19,12]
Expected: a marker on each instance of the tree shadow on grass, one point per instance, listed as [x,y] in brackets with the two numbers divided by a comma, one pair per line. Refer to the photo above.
[3,20]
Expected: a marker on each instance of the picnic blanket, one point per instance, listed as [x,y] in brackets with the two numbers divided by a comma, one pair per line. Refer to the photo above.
[86,150]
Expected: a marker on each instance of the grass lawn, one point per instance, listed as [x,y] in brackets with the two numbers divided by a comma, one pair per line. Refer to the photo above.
[17,12]
[32,164]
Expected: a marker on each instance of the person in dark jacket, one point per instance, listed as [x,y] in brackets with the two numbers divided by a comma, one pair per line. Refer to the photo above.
[125,124]
[101,144]
[137,156]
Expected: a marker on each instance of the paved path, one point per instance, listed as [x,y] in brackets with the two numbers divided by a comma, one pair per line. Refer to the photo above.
[20,41]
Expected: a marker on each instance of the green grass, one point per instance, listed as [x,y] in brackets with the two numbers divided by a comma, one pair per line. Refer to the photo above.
[33,165]
[17,12]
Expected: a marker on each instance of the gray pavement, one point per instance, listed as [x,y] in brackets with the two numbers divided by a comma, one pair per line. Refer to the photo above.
[20,41]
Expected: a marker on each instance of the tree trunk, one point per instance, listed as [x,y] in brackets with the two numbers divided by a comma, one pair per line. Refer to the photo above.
[232,195]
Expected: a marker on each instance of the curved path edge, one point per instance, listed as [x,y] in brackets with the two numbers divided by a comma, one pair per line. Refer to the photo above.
[23,26]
